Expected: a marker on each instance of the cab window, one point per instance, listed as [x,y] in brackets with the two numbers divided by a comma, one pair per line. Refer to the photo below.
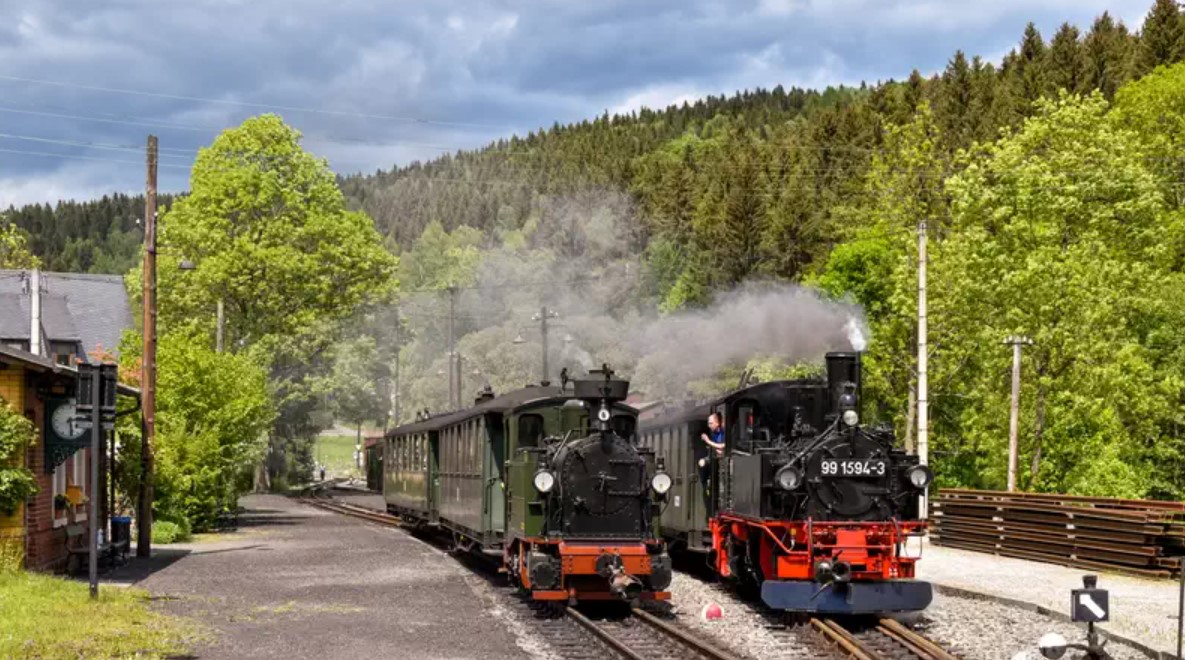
[624,425]
[530,430]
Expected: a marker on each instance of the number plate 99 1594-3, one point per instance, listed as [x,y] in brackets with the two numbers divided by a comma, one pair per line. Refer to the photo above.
[852,467]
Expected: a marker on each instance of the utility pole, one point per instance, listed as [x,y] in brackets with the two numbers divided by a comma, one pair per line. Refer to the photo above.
[923,367]
[148,375]
[1014,420]
[221,322]
[398,348]
[452,347]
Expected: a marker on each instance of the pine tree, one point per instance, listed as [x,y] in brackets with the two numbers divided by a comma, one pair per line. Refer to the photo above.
[1067,62]
[1161,40]
[1031,67]
[955,100]
[1108,52]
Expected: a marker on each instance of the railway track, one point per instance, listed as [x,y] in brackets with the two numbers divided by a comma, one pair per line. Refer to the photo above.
[884,640]
[643,636]
[638,635]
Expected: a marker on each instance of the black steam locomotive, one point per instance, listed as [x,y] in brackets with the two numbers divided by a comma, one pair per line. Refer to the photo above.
[806,505]
[550,479]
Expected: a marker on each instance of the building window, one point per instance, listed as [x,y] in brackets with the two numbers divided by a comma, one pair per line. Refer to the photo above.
[63,352]
[70,472]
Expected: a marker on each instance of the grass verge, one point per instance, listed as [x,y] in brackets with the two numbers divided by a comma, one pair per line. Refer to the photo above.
[336,452]
[42,616]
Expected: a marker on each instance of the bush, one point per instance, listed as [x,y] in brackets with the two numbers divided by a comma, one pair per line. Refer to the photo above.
[165,532]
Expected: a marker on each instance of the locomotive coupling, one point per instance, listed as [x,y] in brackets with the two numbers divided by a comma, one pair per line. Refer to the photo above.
[624,586]
[828,571]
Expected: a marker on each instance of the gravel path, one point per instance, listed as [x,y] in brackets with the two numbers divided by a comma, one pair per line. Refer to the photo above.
[1141,609]
[298,582]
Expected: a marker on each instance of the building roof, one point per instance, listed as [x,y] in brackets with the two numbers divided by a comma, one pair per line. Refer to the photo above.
[42,364]
[75,307]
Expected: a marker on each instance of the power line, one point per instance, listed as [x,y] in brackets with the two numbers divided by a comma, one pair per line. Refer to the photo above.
[248,104]
[90,145]
[47,154]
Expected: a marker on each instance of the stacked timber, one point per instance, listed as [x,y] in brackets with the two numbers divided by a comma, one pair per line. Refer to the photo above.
[1140,537]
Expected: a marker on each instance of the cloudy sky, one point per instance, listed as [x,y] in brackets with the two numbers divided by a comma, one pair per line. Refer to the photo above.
[372,84]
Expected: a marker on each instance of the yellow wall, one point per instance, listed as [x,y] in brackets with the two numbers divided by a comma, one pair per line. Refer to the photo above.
[12,390]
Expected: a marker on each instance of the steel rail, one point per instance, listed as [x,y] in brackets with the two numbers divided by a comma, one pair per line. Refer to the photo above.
[604,635]
[912,642]
[704,648]
[843,639]
[911,638]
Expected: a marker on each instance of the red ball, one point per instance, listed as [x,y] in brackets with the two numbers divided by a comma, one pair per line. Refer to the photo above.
[712,612]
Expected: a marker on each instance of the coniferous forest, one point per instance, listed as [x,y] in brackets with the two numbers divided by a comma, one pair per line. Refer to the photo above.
[1050,186]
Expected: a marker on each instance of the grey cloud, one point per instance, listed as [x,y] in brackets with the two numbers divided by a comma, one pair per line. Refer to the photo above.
[497,67]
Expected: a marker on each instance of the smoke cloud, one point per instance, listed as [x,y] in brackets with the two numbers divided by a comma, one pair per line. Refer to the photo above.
[581,256]
[782,321]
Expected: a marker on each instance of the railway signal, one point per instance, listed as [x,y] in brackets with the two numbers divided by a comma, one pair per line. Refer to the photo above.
[1089,605]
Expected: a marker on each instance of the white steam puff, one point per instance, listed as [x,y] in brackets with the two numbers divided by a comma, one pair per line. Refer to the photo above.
[770,320]
[856,335]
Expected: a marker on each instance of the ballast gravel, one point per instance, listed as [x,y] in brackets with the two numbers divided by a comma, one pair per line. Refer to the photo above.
[981,629]
[970,628]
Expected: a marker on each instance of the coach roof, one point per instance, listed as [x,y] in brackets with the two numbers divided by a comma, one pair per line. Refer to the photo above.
[498,404]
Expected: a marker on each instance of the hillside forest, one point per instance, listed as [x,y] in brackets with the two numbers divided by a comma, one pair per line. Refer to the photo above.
[1049,186]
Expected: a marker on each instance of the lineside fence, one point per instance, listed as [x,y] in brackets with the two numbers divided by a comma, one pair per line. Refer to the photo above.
[1138,537]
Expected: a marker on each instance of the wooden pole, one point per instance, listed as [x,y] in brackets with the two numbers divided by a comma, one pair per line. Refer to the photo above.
[148,374]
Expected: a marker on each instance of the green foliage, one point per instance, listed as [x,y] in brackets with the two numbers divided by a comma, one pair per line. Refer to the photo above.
[17,434]
[213,410]
[271,236]
[1058,234]
[166,532]
[14,249]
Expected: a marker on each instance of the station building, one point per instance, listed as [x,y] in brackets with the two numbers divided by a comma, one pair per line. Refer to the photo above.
[50,323]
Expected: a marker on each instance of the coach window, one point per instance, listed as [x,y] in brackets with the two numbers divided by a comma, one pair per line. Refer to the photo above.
[530,430]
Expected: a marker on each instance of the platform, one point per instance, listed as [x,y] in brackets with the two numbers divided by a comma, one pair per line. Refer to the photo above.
[297,582]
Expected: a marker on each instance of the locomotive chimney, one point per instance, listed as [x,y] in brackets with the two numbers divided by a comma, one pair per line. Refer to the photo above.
[843,370]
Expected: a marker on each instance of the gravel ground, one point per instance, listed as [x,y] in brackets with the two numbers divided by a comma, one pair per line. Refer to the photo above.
[974,629]
[742,629]
[1141,609]
[298,582]
[978,629]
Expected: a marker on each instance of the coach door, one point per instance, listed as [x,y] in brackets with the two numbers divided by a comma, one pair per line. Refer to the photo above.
[492,475]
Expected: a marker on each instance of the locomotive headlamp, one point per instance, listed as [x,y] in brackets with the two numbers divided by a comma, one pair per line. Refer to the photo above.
[544,481]
[920,476]
[851,417]
[661,482]
[788,478]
